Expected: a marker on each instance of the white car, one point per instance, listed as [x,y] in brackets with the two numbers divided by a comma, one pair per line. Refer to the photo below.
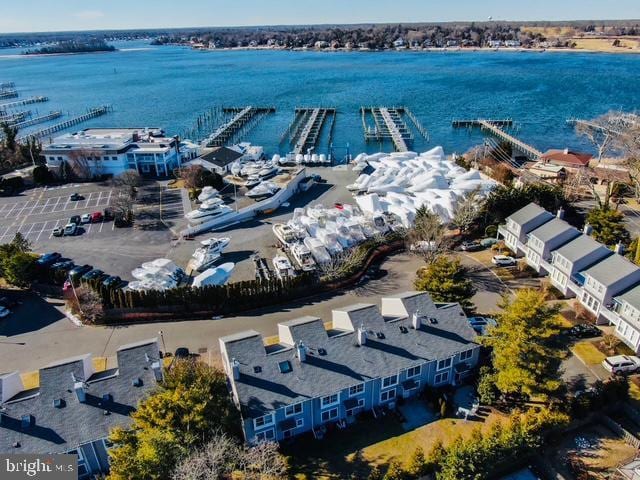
[85,218]
[621,364]
[4,312]
[503,260]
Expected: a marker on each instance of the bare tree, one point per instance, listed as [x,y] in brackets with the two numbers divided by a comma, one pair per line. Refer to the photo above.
[86,303]
[629,143]
[427,236]
[602,132]
[263,462]
[83,163]
[467,210]
[129,178]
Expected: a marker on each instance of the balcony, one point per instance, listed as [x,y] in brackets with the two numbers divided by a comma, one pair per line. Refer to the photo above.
[608,313]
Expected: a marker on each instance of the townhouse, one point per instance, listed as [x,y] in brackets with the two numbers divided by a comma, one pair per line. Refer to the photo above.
[364,360]
[602,280]
[74,407]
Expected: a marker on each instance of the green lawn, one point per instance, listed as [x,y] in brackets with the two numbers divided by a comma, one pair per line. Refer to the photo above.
[588,353]
[356,450]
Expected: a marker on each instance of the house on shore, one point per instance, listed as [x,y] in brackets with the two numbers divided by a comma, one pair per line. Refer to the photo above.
[369,357]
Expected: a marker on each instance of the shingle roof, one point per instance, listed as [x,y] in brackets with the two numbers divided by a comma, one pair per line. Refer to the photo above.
[552,229]
[61,429]
[335,360]
[221,156]
[611,269]
[566,157]
[528,213]
[631,296]
[580,247]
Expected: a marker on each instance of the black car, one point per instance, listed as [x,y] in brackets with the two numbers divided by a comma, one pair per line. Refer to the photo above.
[112,281]
[79,270]
[75,219]
[182,352]
[470,246]
[108,214]
[585,330]
[75,197]
[63,266]
[94,274]
[48,259]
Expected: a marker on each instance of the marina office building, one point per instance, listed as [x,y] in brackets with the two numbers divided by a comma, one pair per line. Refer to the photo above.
[111,151]
[368,358]
[602,280]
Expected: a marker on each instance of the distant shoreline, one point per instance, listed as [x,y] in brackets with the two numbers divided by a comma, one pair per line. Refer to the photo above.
[64,53]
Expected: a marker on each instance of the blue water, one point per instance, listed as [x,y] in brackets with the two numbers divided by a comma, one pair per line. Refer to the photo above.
[170,86]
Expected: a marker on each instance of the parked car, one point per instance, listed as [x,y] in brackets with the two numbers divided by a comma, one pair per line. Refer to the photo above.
[621,364]
[63,266]
[85,218]
[182,352]
[112,281]
[96,217]
[94,274]
[585,330]
[75,197]
[487,242]
[108,214]
[48,259]
[4,312]
[503,261]
[75,219]
[480,324]
[472,246]
[70,229]
[78,271]
[58,231]
[7,302]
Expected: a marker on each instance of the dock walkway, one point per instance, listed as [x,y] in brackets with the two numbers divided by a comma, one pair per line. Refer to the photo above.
[494,128]
[25,101]
[309,123]
[389,125]
[91,113]
[244,118]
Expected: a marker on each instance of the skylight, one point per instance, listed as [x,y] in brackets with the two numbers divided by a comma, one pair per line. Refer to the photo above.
[285,367]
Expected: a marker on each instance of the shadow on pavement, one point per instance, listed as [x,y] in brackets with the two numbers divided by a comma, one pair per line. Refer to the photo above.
[35,313]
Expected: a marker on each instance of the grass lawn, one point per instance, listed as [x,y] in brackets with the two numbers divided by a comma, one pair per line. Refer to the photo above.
[588,353]
[371,442]
[634,392]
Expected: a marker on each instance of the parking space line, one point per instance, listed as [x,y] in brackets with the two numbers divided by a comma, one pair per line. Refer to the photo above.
[19,214]
[27,234]
[40,233]
[101,225]
[88,230]
[56,226]
[9,213]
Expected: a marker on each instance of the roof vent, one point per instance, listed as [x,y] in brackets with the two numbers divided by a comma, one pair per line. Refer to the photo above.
[322,351]
[285,366]
[362,335]
[257,369]
[433,320]
[380,335]
[80,391]
[404,329]
[235,369]
[106,412]
[137,382]
[16,445]
[59,403]
[27,421]
[301,352]
[157,371]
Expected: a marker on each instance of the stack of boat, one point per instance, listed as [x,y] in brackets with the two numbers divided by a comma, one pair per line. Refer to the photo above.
[317,234]
[214,276]
[257,174]
[212,206]
[207,254]
[304,159]
[399,183]
[160,274]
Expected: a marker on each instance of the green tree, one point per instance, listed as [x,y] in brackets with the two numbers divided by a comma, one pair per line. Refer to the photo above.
[608,226]
[395,472]
[180,416]
[487,389]
[418,466]
[19,269]
[42,175]
[445,279]
[523,357]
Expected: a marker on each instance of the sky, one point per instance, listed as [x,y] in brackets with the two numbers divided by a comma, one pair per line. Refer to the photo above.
[60,15]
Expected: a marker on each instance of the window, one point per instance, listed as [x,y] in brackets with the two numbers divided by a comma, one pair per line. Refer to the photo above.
[413,371]
[114,158]
[329,400]
[441,378]
[442,364]
[388,395]
[83,471]
[265,436]
[52,159]
[389,381]
[285,366]
[329,414]
[263,421]
[466,355]
[294,409]
[356,389]
[299,422]
[590,302]
[351,412]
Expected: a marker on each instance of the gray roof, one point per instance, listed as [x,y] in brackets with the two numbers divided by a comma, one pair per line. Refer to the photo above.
[553,229]
[528,213]
[58,430]
[582,246]
[631,296]
[611,270]
[335,361]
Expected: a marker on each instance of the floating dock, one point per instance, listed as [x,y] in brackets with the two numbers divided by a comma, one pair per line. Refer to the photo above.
[7,85]
[36,120]
[243,120]
[493,127]
[8,93]
[388,125]
[304,133]
[26,101]
[15,117]
[91,113]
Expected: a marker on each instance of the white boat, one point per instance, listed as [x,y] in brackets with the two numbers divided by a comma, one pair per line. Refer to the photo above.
[216,243]
[236,168]
[330,242]
[214,276]
[252,181]
[286,233]
[299,158]
[268,172]
[303,257]
[204,215]
[211,203]
[207,193]
[264,190]
[283,267]
[206,256]
[318,252]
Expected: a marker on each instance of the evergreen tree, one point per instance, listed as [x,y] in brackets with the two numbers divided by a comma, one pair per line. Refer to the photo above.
[608,226]
[445,279]
[418,464]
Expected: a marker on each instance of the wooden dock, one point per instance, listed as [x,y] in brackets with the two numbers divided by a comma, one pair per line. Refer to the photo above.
[389,125]
[8,93]
[91,113]
[244,119]
[304,133]
[36,120]
[25,101]
[14,117]
[493,127]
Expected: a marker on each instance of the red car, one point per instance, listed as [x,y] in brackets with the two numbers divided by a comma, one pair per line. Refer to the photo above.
[96,217]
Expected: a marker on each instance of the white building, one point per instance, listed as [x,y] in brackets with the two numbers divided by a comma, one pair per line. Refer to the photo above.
[111,151]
